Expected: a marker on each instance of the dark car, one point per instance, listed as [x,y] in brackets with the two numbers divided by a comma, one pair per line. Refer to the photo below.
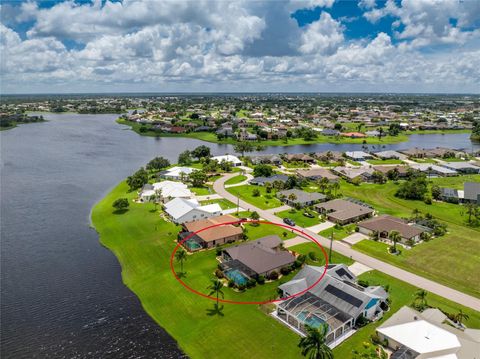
[289,221]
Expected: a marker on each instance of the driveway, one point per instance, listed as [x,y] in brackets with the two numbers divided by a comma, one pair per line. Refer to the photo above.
[355,238]
[321,226]
[346,250]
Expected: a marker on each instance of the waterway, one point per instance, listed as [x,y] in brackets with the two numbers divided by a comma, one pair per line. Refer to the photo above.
[61,292]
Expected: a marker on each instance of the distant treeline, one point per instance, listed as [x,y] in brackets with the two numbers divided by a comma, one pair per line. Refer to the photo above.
[13,119]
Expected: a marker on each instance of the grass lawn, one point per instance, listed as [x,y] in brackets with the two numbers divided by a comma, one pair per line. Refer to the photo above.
[264,200]
[341,233]
[299,218]
[328,164]
[354,163]
[459,248]
[201,191]
[391,161]
[295,164]
[224,203]
[424,160]
[262,230]
[143,243]
[236,179]
[455,182]
[453,159]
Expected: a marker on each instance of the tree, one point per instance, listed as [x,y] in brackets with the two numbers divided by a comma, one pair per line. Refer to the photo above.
[268,187]
[335,186]
[393,174]
[314,345]
[394,237]
[138,179]
[292,197]
[158,163]
[185,158]
[436,192]
[180,257]
[323,184]
[201,152]
[216,287]
[416,213]
[472,210]
[461,316]
[198,178]
[378,177]
[255,216]
[243,147]
[262,170]
[415,188]
[121,204]
[375,235]
[291,182]
[256,192]
[420,300]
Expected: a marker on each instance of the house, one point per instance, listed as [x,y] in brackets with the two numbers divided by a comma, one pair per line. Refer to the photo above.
[336,300]
[181,210]
[383,225]
[389,154]
[211,237]
[234,160]
[414,152]
[261,181]
[176,173]
[226,131]
[412,334]
[297,198]
[358,155]
[471,192]
[349,173]
[244,135]
[433,170]
[441,152]
[329,156]
[269,159]
[353,134]
[343,212]
[260,257]
[299,157]
[330,132]
[317,174]
[462,167]
[451,195]
[165,189]
[373,133]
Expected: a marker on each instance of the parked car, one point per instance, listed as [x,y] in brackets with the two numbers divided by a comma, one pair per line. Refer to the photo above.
[308,214]
[289,221]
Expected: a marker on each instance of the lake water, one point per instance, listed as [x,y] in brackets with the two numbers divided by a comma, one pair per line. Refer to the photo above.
[62,294]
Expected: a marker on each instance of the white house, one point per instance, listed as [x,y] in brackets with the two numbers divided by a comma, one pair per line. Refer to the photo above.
[234,160]
[181,210]
[166,190]
[358,155]
[177,173]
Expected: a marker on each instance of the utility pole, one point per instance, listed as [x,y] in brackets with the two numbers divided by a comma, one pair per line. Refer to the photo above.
[238,205]
[330,252]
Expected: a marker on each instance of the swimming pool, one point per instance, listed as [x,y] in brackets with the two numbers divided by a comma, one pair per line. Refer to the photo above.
[238,277]
[192,245]
[310,319]
[372,302]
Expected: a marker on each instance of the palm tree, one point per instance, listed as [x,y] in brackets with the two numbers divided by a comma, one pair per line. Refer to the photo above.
[461,316]
[421,297]
[395,237]
[335,187]
[375,235]
[323,183]
[216,288]
[181,256]
[416,212]
[314,344]
[292,197]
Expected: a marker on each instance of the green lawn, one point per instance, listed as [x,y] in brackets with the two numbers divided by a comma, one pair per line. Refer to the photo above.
[201,191]
[392,161]
[236,179]
[424,160]
[263,201]
[341,233]
[262,230]
[453,159]
[295,164]
[461,245]
[455,182]
[143,243]
[224,203]
[299,218]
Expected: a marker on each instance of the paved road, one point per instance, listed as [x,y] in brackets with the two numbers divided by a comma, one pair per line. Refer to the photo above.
[416,280]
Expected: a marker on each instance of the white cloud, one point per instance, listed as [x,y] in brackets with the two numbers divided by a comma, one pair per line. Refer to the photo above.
[322,36]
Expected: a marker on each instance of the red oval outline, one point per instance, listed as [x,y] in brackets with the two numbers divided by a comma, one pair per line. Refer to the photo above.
[248,302]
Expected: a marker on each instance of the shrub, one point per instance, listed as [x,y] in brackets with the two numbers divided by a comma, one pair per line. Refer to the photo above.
[285,270]
[218,251]
[231,283]
[363,283]
[261,279]
[241,287]
[273,275]
[427,200]
[251,283]
[121,204]
[219,273]
[312,256]
[302,258]
[357,229]
[256,192]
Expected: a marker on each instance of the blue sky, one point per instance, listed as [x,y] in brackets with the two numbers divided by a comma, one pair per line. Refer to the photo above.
[285,45]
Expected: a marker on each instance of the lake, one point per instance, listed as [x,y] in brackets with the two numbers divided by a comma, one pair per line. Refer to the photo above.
[62,293]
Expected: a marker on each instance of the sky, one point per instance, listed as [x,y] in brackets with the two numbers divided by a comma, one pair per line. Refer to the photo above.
[417,46]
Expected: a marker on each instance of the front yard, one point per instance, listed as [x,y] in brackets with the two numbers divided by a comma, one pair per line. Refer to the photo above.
[264,200]
[338,233]
[299,217]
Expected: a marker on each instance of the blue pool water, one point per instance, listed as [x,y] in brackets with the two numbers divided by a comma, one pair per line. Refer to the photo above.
[310,319]
[372,302]
[236,276]
[192,245]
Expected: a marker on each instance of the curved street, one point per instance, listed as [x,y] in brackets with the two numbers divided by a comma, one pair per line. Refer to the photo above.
[416,280]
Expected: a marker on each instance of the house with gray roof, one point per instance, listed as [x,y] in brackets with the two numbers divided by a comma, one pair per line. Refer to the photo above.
[462,167]
[433,170]
[261,181]
[343,212]
[297,198]
[358,155]
[336,300]
[317,174]
[270,159]
[389,155]
[260,257]
[471,192]
[385,224]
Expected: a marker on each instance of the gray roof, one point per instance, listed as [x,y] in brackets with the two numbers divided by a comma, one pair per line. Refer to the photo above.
[472,191]
[302,196]
[336,289]
[343,210]
[460,166]
[449,192]
[271,179]
[261,255]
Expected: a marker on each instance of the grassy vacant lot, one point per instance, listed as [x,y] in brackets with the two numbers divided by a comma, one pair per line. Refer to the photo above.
[391,161]
[299,218]
[236,179]
[455,182]
[458,249]
[262,230]
[201,191]
[264,200]
[341,233]
[143,245]
[224,203]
